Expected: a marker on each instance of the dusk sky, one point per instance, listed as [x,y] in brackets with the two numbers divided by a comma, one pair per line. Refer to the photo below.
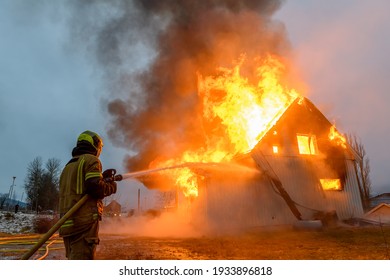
[50,91]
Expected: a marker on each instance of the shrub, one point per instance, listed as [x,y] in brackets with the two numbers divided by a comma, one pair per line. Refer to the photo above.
[9,216]
[42,224]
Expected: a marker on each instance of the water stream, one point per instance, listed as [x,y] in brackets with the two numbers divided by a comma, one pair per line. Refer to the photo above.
[216,166]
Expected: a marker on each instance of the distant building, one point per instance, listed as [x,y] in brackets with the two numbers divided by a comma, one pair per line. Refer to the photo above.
[379,214]
[113,209]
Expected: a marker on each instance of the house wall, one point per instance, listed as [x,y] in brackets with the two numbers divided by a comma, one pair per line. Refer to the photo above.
[298,176]
[236,201]
[247,200]
[348,203]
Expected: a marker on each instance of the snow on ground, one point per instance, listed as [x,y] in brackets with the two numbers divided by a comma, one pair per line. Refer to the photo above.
[16,223]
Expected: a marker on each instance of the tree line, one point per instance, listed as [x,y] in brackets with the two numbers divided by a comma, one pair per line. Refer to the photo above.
[42,184]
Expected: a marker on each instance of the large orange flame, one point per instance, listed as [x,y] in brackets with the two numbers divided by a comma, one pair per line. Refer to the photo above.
[336,137]
[236,114]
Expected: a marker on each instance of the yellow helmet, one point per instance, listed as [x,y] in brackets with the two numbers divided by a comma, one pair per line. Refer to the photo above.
[91,137]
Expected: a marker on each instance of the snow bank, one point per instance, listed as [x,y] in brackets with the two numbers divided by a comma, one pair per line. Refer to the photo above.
[14,223]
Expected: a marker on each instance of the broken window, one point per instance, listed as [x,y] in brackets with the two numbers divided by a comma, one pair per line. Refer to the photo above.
[331,184]
[307,144]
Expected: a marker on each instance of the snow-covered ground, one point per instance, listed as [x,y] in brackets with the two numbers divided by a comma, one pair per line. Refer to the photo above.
[15,223]
[17,236]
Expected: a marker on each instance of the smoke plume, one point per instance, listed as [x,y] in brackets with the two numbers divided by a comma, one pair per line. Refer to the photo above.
[151,52]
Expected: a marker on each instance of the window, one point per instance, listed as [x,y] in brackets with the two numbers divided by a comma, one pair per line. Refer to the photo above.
[331,184]
[275,145]
[307,144]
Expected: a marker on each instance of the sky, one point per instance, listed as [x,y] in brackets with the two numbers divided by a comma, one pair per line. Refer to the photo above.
[50,91]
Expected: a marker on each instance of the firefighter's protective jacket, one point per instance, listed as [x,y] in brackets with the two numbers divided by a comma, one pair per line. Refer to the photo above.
[73,187]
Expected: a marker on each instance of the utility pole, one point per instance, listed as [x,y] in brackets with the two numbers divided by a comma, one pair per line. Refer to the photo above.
[139,197]
[11,189]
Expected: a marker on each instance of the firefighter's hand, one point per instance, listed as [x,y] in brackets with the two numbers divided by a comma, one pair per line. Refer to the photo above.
[112,187]
[109,173]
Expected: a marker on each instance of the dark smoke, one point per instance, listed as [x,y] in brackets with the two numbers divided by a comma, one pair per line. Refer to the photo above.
[153,106]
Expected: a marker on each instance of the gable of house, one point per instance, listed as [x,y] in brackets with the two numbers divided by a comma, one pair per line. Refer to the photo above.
[304,132]
[113,207]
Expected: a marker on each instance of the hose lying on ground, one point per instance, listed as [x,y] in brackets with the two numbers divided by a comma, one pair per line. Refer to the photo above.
[15,244]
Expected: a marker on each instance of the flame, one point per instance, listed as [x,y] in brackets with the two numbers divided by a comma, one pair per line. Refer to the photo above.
[236,114]
[307,144]
[246,111]
[330,184]
[335,136]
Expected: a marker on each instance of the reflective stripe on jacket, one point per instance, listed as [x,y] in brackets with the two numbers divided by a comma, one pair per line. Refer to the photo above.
[72,189]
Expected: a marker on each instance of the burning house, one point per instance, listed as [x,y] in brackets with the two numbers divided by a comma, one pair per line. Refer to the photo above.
[306,171]
[272,158]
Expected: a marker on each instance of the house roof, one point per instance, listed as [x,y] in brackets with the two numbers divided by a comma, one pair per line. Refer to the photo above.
[114,204]
[381,198]
[379,214]
[377,208]
[302,111]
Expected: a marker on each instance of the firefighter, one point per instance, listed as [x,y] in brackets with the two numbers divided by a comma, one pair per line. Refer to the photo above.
[83,175]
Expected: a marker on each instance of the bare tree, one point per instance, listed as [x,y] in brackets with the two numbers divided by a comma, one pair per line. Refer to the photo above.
[53,170]
[33,182]
[42,184]
[363,167]
[50,184]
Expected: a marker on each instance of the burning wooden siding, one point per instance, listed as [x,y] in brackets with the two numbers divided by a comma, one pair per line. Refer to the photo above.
[247,200]
[299,177]
[239,200]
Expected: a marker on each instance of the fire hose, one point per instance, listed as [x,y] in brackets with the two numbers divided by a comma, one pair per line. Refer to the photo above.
[54,228]
[111,176]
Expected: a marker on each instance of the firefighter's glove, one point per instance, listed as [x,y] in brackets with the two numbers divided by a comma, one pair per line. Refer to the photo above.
[108,175]
[112,187]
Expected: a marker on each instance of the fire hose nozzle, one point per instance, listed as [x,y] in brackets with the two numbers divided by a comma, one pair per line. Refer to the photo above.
[118,177]
[114,178]
[110,175]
